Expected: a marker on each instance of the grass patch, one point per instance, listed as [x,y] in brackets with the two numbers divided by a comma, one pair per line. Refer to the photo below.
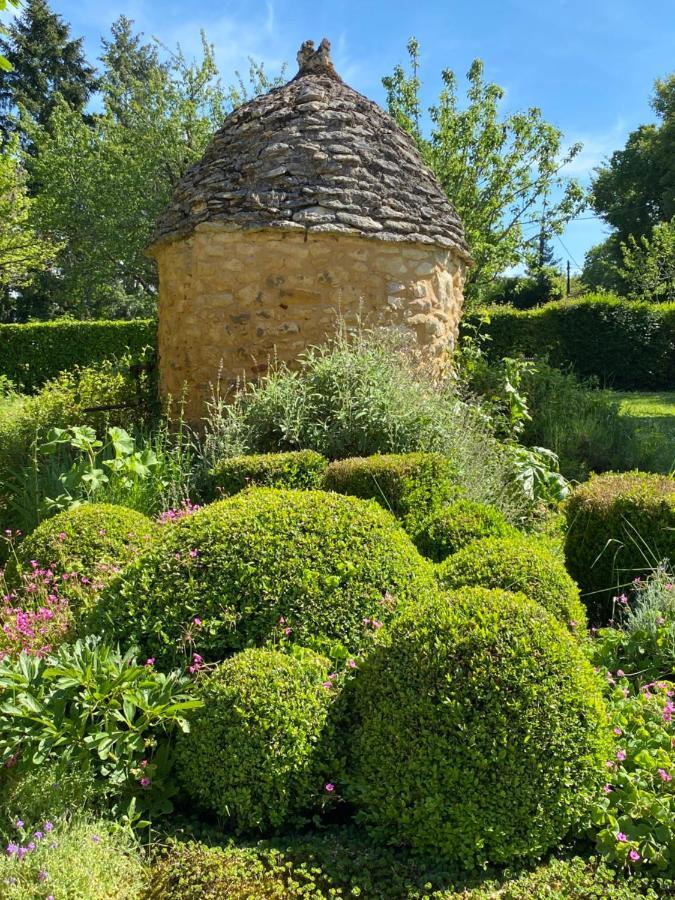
[652,415]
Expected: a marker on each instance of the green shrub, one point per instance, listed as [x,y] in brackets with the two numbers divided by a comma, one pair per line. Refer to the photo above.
[359,398]
[409,485]
[458,524]
[619,527]
[296,469]
[517,564]
[32,354]
[255,752]
[626,344]
[479,732]
[93,539]
[82,859]
[300,566]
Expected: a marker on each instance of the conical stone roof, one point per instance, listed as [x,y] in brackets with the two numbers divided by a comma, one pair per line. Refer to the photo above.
[315,155]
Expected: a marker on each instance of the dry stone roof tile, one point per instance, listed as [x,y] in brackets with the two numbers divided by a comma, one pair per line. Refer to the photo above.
[315,154]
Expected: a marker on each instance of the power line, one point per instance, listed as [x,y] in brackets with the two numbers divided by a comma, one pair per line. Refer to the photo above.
[567,251]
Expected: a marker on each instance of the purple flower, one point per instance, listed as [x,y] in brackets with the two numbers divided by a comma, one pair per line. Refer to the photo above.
[49,826]
[620,673]
[42,875]
[95,839]
[617,731]
[330,787]
[351,663]
[621,837]
[664,776]
[621,755]
[634,855]
[197,621]
[12,848]
[19,823]
[608,788]
[145,782]
[194,553]
[150,661]
[38,835]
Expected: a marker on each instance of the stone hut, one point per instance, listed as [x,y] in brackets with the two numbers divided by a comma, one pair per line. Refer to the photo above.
[309,206]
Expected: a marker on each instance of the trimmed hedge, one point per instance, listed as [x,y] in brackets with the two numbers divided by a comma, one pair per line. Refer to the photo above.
[517,564]
[300,566]
[626,344]
[93,539]
[458,524]
[409,485]
[619,526]
[296,469]
[32,354]
[479,733]
[254,753]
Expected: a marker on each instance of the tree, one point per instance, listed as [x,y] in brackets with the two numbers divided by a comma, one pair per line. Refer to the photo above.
[45,64]
[22,249]
[5,65]
[648,266]
[635,190]
[127,65]
[496,170]
[103,185]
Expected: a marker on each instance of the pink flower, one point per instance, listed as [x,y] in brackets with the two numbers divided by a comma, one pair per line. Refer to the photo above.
[621,837]
[197,621]
[620,673]
[617,731]
[287,631]
[621,755]
[144,782]
[330,787]
[351,663]
[328,685]
[608,788]
[664,776]
[194,553]
[62,535]
[150,661]
[634,855]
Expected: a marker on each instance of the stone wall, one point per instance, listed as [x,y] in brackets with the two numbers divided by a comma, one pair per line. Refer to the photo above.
[237,298]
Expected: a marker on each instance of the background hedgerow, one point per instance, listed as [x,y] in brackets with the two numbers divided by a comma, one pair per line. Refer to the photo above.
[82,859]
[457,524]
[93,540]
[256,753]
[295,469]
[620,526]
[517,564]
[482,697]
[304,567]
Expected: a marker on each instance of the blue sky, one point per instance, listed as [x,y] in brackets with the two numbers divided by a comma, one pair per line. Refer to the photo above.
[588,64]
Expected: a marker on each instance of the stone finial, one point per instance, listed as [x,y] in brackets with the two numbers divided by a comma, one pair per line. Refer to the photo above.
[315,62]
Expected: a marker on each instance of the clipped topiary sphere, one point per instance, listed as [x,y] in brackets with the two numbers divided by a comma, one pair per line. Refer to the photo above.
[409,485]
[300,469]
[94,539]
[254,752]
[478,732]
[517,564]
[300,566]
[619,526]
[458,524]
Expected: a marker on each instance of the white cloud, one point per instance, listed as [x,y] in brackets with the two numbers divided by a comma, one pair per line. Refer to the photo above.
[596,148]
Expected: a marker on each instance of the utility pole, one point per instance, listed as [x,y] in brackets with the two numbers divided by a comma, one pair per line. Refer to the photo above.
[568,278]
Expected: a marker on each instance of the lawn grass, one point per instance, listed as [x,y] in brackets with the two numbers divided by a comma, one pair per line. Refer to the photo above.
[652,415]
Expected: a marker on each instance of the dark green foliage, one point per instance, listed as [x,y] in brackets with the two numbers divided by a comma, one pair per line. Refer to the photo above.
[300,469]
[517,564]
[32,354]
[409,485]
[619,526]
[452,527]
[479,732]
[527,291]
[45,63]
[625,344]
[340,862]
[91,539]
[185,871]
[255,754]
[302,566]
